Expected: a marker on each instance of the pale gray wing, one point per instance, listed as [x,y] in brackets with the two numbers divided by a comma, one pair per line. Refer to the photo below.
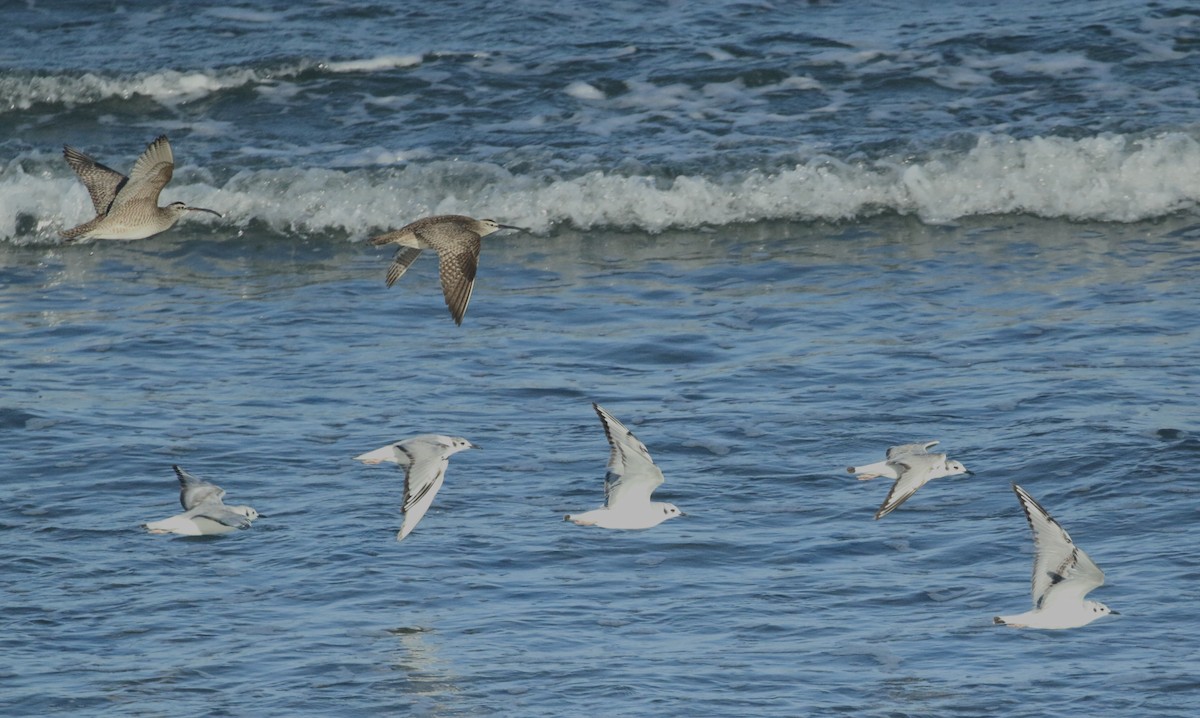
[915,470]
[103,183]
[219,514]
[404,258]
[389,452]
[896,452]
[193,491]
[424,465]
[151,172]
[632,476]
[1061,570]
[458,260]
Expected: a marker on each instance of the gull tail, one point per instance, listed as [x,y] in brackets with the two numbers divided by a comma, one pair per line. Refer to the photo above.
[872,471]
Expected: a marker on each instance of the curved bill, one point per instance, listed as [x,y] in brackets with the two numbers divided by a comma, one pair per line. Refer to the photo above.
[201,209]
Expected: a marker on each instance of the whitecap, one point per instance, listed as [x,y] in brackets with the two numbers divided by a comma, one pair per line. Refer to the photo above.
[374,64]
[584,91]
[1114,178]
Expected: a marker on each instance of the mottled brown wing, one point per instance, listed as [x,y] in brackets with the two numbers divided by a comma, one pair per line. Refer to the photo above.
[404,258]
[458,259]
[103,183]
[152,171]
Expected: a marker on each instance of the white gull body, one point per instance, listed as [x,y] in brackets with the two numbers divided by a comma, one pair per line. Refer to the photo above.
[912,466]
[205,512]
[630,480]
[424,459]
[1062,576]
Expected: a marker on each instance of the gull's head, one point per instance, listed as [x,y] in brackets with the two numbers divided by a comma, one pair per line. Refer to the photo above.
[244,511]
[487,226]
[455,444]
[1099,609]
[954,468]
[671,511]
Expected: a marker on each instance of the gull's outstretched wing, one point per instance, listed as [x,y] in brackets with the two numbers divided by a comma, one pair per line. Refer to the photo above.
[423,476]
[218,514]
[632,476]
[1061,570]
[895,452]
[193,491]
[915,470]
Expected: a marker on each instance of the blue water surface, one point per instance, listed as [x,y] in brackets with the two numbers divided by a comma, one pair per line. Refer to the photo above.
[773,239]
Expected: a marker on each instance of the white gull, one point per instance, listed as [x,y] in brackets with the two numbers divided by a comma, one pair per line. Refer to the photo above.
[630,480]
[912,466]
[205,512]
[424,459]
[1062,575]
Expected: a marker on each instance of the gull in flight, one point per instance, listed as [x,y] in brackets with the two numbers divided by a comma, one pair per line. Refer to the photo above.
[628,483]
[205,513]
[424,459]
[912,466]
[1062,575]
[127,207]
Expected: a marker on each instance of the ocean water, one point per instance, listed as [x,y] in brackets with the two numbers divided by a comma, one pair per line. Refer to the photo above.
[772,238]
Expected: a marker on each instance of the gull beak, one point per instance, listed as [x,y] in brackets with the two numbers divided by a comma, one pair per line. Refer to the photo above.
[968,472]
[509,226]
[201,209]
[262,516]
[1113,613]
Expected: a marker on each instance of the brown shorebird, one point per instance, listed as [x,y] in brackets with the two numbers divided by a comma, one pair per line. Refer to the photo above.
[127,207]
[455,238]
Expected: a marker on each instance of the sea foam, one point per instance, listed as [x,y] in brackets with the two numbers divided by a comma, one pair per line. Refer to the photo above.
[1106,178]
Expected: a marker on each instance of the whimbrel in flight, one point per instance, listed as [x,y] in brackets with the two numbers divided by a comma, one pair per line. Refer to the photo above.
[127,207]
[455,238]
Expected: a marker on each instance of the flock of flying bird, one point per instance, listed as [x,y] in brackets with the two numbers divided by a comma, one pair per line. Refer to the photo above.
[127,208]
